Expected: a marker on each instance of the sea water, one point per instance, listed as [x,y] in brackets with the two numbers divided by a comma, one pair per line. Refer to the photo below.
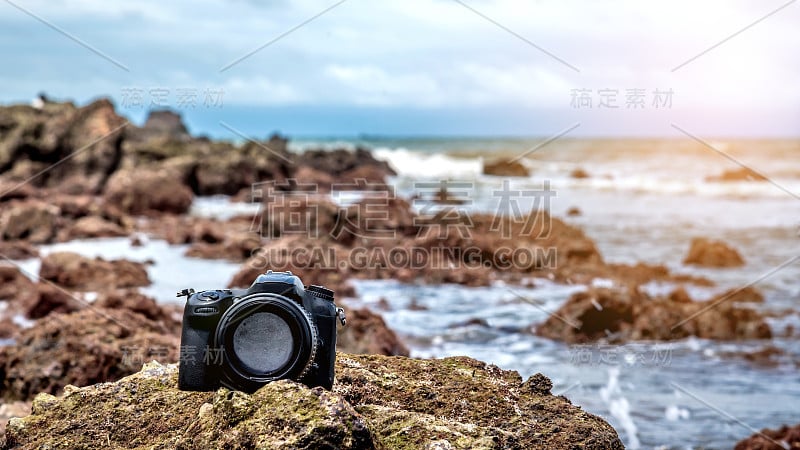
[644,201]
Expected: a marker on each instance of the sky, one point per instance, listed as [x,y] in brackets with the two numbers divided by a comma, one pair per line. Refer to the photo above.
[418,67]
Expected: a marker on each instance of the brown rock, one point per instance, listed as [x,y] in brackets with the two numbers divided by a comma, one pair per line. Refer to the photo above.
[378,402]
[13,190]
[74,271]
[234,247]
[505,168]
[579,173]
[741,174]
[748,294]
[574,211]
[709,253]
[17,250]
[94,139]
[8,328]
[314,261]
[627,314]
[168,316]
[309,175]
[339,161]
[47,298]
[85,141]
[86,347]
[366,332]
[31,221]
[369,173]
[142,192]
[165,122]
[769,439]
[93,227]
[13,283]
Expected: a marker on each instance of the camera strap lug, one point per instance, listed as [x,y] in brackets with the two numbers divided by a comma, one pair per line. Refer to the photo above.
[185,293]
[341,316]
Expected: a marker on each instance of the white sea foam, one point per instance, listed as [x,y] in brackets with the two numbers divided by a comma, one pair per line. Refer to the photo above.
[674,413]
[630,176]
[619,407]
[430,165]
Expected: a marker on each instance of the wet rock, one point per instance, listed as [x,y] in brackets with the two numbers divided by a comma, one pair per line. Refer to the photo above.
[17,250]
[94,140]
[13,282]
[367,333]
[339,162]
[377,402]
[505,168]
[770,439]
[85,347]
[747,294]
[13,190]
[741,174]
[34,222]
[166,316]
[710,253]
[309,175]
[77,272]
[141,192]
[579,173]
[574,211]
[165,122]
[624,314]
[86,140]
[8,328]
[93,227]
[45,299]
[233,247]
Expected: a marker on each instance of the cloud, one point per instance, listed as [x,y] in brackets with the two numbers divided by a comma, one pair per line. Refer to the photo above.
[433,54]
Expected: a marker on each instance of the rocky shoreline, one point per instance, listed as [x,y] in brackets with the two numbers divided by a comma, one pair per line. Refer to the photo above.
[377,402]
[69,172]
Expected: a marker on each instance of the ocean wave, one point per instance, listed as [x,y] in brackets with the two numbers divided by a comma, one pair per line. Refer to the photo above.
[633,176]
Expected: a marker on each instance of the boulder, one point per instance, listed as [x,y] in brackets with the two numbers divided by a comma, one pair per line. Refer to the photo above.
[46,298]
[769,439]
[505,168]
[17,250]
[338,162]
[166,122]
[579,173]
[13,283]
[85,347]
[741,174]
[367,333]
[93,227]
[169,317]
[34,222]
[237,246]
[74,271]
[710,253]
[147,192]
[622,314]
[377,402]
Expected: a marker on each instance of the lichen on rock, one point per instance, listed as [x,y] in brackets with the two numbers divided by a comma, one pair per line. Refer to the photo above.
[377,402]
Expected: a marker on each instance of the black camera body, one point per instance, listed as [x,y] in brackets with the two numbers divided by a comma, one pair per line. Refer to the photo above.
[243,339]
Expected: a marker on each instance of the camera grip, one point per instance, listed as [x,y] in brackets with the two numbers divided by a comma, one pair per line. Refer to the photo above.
[196,371]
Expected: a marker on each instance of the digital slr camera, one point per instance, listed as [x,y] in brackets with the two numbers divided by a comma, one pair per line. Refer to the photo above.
[243,339]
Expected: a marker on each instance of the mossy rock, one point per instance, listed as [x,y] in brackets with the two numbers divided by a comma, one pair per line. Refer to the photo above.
[377,402]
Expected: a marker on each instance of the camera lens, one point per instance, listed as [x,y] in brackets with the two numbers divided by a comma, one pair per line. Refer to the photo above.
[265,337]
[263,342]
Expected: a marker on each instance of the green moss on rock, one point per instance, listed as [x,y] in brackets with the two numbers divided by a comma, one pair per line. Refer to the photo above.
[377,402]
